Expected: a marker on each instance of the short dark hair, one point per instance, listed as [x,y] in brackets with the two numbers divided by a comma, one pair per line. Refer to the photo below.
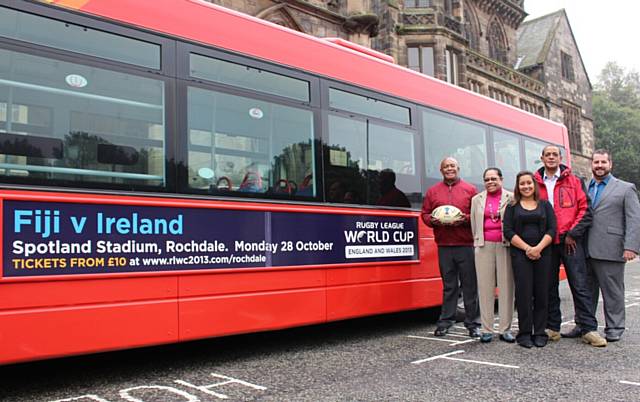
[498,171]
[602,151]
[517,196]
[552,145]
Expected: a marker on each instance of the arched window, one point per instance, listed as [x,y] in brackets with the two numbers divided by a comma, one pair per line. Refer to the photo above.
[497,42]
[471,32]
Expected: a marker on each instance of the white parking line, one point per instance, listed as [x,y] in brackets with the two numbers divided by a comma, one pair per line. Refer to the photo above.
[429,338]
[465,341]
[457,335]
[632,304]
[437,357]
[630,383]
[447,357]
[451,342]
[480,362]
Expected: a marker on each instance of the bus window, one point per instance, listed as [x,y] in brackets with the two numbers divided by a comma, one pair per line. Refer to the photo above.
[63,121]
[392,167]
[347,160]
[506,147]
[449,136]
[369,163]
[248,77]
[248,146]
[532,153]
[369,106]
[80,39]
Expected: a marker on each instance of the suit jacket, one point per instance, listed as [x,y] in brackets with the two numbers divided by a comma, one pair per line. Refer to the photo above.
[616,222]
[478,204]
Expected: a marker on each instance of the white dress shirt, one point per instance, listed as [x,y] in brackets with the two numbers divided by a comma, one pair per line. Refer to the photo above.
[550,183]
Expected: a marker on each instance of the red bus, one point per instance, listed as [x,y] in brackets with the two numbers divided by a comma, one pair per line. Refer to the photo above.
[176,171]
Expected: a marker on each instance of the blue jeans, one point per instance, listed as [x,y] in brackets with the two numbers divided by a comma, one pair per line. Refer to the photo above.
[575,266]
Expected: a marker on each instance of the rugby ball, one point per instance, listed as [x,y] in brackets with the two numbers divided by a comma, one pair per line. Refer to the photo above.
[447,214]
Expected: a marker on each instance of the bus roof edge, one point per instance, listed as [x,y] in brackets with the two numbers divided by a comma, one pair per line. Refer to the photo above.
[361,49]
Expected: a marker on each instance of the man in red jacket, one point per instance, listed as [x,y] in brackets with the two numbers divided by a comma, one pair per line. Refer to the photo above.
[455,248]
[567,194]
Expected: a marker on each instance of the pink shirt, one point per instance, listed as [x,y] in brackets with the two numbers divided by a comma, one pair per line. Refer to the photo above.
[492,222]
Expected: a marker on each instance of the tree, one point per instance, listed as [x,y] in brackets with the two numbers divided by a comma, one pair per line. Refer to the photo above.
[616,112]
[619,86]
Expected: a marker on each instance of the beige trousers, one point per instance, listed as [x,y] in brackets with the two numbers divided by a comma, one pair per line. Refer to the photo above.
[494,262]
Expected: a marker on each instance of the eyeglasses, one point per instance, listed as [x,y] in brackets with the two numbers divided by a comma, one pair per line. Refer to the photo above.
[488,179]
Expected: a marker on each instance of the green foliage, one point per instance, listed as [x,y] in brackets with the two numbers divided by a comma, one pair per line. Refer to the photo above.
[616,113]
[620,86]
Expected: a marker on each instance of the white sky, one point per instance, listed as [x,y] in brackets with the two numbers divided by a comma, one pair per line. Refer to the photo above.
[605,30]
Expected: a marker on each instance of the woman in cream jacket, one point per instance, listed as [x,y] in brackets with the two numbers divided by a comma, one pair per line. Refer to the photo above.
[492,259]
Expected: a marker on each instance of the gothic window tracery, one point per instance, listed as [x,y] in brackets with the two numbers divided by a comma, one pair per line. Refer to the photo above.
[471,31]
[497,42]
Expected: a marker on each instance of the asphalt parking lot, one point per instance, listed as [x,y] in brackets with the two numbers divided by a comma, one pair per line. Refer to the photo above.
[391,357]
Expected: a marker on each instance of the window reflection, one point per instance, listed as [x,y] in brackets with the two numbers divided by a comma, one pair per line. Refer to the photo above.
[506,147]
[370,163]
[98,126]
[449,136]
[532,152]
[246,145]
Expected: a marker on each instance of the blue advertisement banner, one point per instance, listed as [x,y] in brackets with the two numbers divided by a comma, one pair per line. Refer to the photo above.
[47,238]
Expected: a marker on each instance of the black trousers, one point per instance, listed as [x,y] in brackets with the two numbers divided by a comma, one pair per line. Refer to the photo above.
[575,266]
[532,291]
[457,265]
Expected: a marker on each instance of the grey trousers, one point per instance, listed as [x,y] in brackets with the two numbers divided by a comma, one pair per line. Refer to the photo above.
[493,266]
[457,266]
[608,277]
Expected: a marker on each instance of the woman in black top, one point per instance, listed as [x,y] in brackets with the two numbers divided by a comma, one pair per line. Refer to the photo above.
[530,225]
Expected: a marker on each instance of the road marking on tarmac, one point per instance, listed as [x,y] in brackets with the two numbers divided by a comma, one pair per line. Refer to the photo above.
[447,356]
[457,335]
[133,394]
[451,342]
[630,383]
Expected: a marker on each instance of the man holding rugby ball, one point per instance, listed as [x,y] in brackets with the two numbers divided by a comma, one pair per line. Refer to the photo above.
[455,246]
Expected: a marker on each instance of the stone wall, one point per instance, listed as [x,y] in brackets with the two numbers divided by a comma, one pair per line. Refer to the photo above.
[577,92]
[485,16]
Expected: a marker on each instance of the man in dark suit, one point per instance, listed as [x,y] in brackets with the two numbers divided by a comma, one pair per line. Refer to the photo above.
[613,239]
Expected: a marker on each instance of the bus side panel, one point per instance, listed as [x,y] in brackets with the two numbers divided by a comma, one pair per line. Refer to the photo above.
[45,333]
[375,298]
[427,268]
[213,284]
[223,315]
[375,274]
[359,291]
[429,257]
[228,303]
[20,295]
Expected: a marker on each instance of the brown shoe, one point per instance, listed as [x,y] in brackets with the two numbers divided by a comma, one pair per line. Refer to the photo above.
[593,338]
[553,335]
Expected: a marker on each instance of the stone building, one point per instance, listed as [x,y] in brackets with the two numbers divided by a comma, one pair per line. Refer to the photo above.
[481,45]
[549,53]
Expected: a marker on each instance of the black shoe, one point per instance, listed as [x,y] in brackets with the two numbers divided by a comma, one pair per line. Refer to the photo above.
[525,343]
[613,338]
[540,341]
[486,337]
[576,332]
[441,331]
[474,332]
[507,336]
